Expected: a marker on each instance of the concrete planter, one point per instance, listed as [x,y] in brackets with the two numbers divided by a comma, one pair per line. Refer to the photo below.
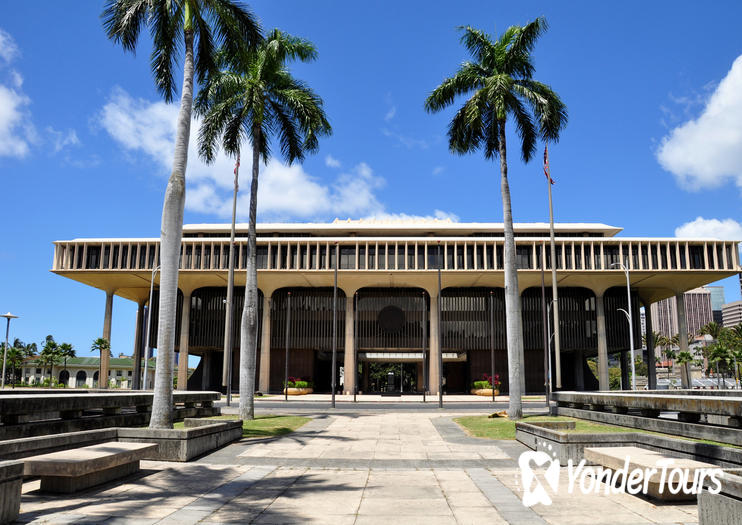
[199,437]
[297,391]
[487,392]
[11,480]
[724,508]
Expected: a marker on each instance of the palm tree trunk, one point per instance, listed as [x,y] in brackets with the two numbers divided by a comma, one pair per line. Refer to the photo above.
[170,242]
[249,323]
[514,328]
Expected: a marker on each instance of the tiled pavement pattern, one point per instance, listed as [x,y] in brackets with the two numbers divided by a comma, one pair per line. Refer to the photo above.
[372,468]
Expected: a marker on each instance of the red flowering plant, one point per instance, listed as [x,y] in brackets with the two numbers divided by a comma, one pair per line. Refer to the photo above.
[488,381]
[297,382]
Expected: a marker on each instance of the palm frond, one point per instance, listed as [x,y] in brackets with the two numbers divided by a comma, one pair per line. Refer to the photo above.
[469,77]
[165,29]
[478,43]
[123,20]
[524,126]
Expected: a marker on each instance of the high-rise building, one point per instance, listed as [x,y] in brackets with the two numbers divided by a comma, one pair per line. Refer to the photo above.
[697,312]
[732,314]
[717,302]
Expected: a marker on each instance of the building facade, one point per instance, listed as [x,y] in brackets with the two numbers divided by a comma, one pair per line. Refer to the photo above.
[83,372]
[698,312]
[717,303]
[732,314]
[407,293]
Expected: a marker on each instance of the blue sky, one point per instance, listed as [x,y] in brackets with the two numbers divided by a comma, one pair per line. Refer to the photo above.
[654,140]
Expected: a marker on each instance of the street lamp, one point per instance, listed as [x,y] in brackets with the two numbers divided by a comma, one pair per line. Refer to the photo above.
[8,316]
[149,327]
[629,317]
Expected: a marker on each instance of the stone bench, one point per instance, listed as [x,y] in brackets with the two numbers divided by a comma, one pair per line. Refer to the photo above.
[639,458]
[11,480]
[77,469]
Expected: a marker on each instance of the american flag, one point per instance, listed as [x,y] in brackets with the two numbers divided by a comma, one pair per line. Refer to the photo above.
[546,164]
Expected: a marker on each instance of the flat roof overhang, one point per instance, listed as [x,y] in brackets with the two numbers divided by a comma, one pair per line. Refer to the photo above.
[652,286]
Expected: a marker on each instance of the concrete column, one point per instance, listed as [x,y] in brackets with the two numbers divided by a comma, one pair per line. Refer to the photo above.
[625,358]
[650,357]
[105,356]
[206,369]
[579,370]
[138,348]
[603,381]
[265,345]
[682,336]
[185,326]
[435,347]
[350,366]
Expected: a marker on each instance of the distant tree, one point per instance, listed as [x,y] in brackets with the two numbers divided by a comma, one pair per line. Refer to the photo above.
[101,345]
[713,329]
[67,351]
[684,360]
[49,356]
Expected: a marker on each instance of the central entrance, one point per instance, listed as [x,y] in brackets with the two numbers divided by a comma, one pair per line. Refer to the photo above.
[392,340]
[391,378]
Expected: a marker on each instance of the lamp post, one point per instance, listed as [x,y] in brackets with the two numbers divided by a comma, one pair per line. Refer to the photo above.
[630,318]
[8,316]
[149,327]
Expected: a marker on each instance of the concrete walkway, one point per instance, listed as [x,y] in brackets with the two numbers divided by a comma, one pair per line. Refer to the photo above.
[366,468]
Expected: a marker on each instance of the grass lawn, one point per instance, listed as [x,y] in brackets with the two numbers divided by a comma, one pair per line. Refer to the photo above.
[504,428]
[265,426]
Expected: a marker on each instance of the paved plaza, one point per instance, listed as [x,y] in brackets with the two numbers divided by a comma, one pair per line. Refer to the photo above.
[368,467]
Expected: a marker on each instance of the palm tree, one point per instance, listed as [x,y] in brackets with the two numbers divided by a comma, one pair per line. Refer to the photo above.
[252,98]
[719,354]
[49,356]
[67,352]
[174,25]
[713,329]
[101,345]
[684,359]
[499,80]
[16,357]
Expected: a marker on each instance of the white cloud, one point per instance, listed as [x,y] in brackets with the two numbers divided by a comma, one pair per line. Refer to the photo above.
[8,48]
[62,139]
[438,170]
[700,228]
[284,192]
[16,131]
[405,140]
[390,114]
[332,162]
[16,79]
[707,152]
[437,215]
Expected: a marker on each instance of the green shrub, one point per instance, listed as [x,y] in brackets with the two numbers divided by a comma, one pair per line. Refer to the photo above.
[482,384]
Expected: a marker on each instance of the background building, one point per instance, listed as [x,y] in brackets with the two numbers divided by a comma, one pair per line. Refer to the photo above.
[697,312]
[732,313]
[82,372]
[717,302]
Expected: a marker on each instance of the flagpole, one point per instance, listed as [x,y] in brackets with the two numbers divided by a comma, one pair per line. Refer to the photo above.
[227,365]
[554,264]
